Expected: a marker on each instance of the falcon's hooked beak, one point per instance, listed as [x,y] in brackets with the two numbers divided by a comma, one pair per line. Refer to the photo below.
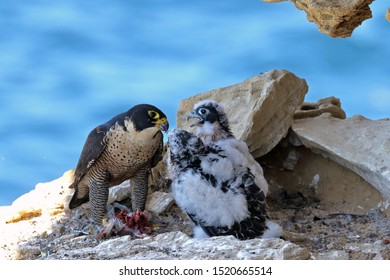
[162,124]
[195,115]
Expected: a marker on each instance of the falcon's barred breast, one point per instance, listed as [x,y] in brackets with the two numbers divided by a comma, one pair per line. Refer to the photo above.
[125,147]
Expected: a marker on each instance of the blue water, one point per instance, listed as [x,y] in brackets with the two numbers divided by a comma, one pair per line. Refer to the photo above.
[67,66]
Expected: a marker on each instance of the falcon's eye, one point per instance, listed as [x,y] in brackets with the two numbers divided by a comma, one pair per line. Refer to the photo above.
[154,115]
[203,111]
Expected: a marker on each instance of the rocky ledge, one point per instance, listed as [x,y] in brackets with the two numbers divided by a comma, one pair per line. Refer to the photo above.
[329,179]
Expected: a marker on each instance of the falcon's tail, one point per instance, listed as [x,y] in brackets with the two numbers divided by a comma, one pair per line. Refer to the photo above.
[77,198]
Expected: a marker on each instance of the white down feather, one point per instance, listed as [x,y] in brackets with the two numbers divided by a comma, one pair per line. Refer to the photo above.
[240,157]
[216,208]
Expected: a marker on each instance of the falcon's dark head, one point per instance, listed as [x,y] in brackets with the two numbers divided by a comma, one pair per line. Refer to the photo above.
[211,121]
[144,116]
[184,148]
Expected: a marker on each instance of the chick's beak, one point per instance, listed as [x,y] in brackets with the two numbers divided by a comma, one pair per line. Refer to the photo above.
[162,124]
[194,115]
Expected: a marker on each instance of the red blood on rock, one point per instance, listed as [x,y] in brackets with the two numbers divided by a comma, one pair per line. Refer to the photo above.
[122,216]
[139,221]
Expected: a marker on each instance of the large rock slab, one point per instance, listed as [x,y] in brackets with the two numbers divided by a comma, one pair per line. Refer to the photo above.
[178,246]
[360,144]
[336,18]
[260,109]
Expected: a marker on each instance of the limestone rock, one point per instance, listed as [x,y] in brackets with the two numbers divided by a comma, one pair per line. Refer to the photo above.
[260,109]
[120,192]
[388,14]
[26,252]
[357,143]
[159,202]
[333,255]
[330,105]
[366,251]
[46,198]
[177,245]
[376,251]
[336,18]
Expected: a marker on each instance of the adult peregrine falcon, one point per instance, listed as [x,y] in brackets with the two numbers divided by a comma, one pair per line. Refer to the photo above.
[125,147]
[213,127]
[215,189]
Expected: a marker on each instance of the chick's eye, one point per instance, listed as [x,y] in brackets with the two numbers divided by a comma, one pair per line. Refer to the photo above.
[153,114]
[203,111]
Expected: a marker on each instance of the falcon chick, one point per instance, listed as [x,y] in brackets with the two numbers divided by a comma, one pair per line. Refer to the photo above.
[213,127]
[125,147]
[215,189]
